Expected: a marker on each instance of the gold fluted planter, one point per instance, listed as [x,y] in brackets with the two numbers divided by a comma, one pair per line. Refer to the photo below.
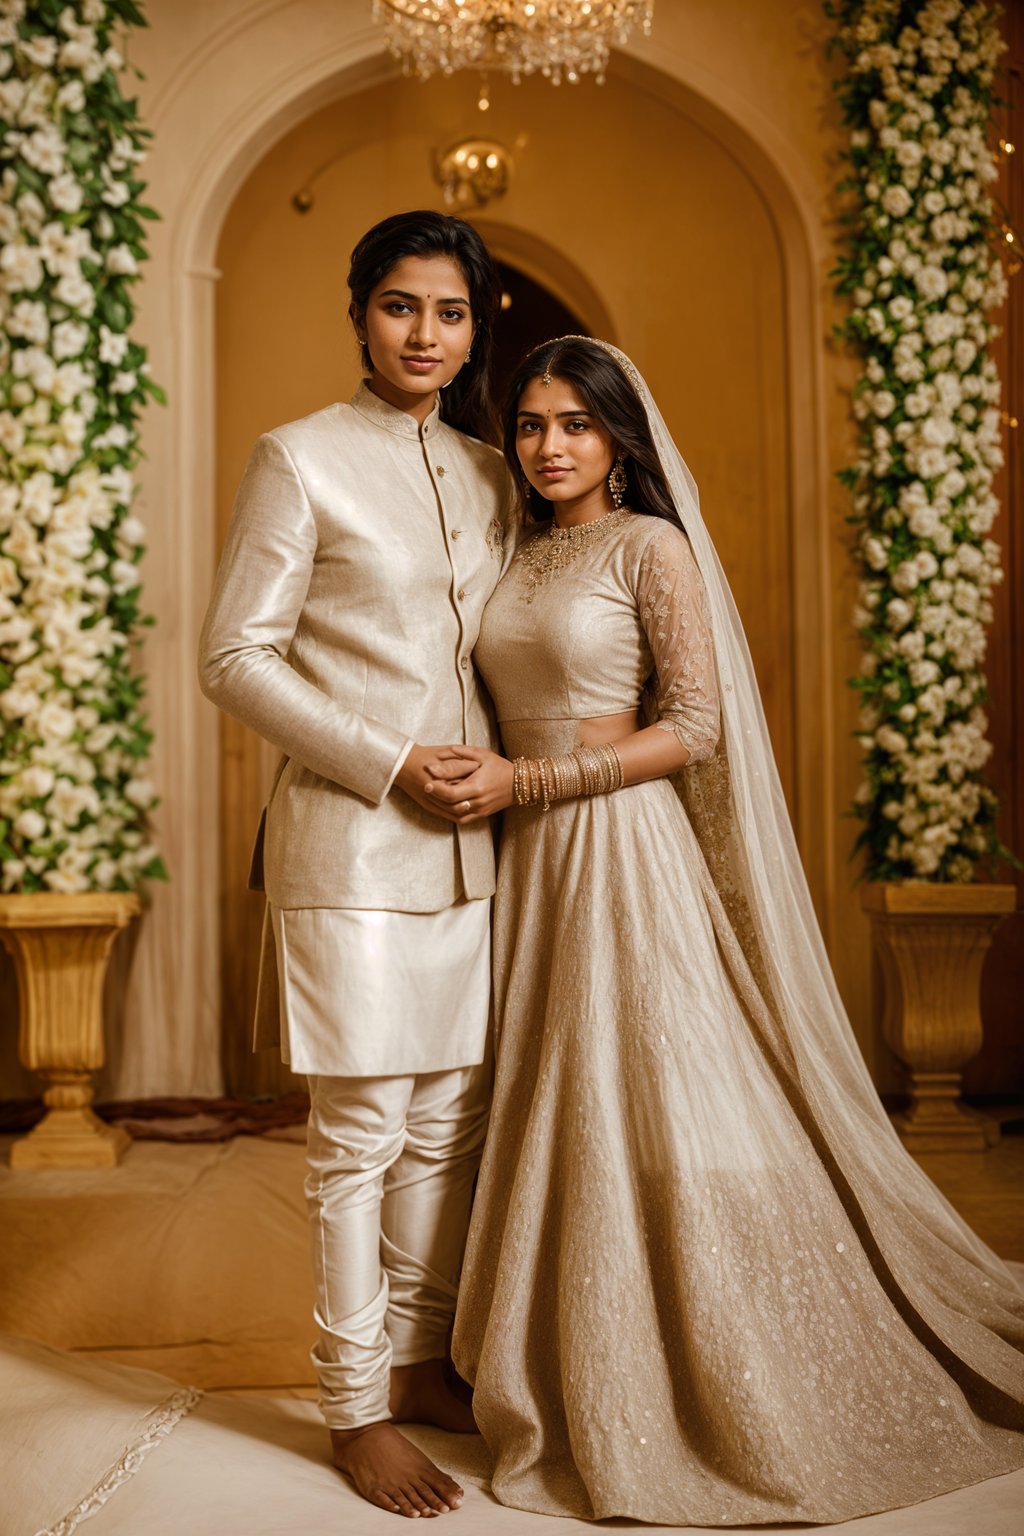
[60,945]
[932,941]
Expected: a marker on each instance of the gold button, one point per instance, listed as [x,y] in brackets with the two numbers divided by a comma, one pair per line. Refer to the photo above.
[440,470]
[456,533]
[464,662]
[461,593]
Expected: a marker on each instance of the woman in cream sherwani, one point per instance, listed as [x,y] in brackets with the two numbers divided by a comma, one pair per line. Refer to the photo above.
[366,540]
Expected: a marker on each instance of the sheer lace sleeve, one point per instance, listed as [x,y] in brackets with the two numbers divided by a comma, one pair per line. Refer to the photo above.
[674,613]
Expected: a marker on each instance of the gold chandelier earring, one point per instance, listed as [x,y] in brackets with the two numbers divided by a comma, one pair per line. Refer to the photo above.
[617,480]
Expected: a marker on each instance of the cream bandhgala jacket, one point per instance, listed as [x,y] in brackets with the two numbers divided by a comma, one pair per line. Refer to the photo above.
[361,552]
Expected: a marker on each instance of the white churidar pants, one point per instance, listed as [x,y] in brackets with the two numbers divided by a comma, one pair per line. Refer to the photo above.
[391,1167]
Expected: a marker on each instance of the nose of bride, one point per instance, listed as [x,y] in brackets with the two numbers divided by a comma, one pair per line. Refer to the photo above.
[421,334]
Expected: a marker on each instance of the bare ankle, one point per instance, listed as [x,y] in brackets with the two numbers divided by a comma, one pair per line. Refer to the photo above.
[417,1369]
[340,1437]
[421,1394]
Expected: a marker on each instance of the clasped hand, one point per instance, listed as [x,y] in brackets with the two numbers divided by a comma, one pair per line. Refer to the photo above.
[461,784]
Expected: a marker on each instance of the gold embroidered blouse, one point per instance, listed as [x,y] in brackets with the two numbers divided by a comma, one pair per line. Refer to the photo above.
[579,626]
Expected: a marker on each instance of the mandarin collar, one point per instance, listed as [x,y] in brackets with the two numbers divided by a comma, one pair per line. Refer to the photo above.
[391,418]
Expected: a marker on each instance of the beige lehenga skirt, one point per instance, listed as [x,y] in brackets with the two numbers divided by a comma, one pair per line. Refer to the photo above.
[673,1309]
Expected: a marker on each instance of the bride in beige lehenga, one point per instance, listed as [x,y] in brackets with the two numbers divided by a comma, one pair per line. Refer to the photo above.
[705,1284]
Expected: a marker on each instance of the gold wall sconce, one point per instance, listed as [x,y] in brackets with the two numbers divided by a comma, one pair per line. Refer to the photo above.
[473,173]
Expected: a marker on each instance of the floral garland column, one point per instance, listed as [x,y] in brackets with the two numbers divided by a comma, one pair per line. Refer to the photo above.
[919,262]
[920,267]
[73,738]
[74,795]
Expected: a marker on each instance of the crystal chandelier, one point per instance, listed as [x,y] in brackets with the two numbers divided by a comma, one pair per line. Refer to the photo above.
[563,39]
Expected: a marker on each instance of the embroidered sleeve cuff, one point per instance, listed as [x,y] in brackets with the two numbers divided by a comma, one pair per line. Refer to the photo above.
[694,736]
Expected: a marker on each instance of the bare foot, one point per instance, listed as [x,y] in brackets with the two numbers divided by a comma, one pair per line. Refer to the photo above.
[388,1471]
[420,1394]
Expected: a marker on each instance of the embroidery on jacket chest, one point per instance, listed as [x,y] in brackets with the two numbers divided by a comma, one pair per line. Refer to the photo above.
[495,538]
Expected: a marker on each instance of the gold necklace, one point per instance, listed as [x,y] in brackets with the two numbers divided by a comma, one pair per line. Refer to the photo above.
[556,549]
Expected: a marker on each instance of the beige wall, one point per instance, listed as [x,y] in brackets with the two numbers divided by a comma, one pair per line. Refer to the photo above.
[711,256]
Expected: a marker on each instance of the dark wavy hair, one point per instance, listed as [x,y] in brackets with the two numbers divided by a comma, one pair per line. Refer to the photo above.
[614,404]
[465,402]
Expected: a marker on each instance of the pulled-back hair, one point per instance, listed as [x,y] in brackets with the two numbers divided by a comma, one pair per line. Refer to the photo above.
[466,401]
[614,405]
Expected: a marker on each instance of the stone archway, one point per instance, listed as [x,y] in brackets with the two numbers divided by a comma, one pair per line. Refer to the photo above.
[549,266]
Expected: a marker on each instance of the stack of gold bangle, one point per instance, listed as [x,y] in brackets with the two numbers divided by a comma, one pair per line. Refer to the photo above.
[586,771]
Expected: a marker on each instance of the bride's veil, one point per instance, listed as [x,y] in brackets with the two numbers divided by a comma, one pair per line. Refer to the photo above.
[943,1277]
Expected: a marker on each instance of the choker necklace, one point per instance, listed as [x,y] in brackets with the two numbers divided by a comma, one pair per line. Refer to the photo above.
[555,549]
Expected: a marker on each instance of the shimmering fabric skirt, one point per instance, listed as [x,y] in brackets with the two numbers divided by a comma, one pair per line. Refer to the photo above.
[377,994]
[666,1310]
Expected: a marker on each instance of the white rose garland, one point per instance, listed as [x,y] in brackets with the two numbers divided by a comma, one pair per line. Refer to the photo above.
[920,266]
[74,794]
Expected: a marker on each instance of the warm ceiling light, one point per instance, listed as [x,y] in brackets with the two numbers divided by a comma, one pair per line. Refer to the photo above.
[563,39]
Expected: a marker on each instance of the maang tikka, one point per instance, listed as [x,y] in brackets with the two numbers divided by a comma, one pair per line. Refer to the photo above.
[545,377]
[617,480]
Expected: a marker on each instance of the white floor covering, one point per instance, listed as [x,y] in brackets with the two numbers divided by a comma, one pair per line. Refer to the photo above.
[260,1469]
[191,1260]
